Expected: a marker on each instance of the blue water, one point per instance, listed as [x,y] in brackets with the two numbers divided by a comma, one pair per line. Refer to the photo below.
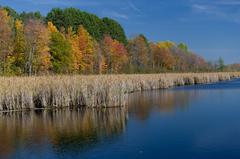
[193,122]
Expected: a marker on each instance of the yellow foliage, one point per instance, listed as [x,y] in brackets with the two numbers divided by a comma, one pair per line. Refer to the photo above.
[86,46]
[4,15]
[52,28]
[18,24]
[6,39]
[76,52]
[43,50]
[166,44]
[19,46]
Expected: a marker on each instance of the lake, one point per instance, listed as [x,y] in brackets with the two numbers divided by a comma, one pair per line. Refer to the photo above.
[199,121]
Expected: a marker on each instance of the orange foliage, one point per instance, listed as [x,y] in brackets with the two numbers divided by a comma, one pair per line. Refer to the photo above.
[86,47]
[116,54]
[76,52]
[163,55]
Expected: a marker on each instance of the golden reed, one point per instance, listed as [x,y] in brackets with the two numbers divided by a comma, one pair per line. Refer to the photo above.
[18,93]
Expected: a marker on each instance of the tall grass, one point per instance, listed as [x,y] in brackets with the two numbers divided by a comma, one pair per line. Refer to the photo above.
[17,93]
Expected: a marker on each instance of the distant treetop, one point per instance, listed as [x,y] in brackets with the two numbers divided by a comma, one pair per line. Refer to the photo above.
[97,27]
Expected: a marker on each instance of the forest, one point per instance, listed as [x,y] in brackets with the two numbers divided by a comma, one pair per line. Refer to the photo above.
[71,41]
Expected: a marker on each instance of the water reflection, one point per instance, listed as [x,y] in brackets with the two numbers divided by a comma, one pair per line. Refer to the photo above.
[143,103]
[61,130]
[200,119]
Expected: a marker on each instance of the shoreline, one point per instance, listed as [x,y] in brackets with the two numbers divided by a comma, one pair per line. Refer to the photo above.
[93,91]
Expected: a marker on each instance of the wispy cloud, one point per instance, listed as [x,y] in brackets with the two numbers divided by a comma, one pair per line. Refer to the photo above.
[64,3]
[216,2]
[200,7]
[228,2]
[115,14]
[133,6]
[221,9]
[127,10]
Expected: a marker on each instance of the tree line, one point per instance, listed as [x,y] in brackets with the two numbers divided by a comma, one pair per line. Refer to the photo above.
[72,41]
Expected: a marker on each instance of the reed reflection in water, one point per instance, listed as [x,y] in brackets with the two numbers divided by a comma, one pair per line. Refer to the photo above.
[57,132]
[86,132]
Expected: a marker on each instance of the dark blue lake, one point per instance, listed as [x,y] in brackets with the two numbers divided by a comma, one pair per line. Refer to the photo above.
[196,122]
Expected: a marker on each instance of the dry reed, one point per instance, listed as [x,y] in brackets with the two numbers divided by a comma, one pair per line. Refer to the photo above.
[17,93]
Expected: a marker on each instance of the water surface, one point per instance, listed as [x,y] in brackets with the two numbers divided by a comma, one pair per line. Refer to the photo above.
[200,121]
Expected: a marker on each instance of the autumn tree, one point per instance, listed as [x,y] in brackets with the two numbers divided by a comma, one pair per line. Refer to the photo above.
[115,55]
[19,48]
[184,58]
[37,50]
[60,50]
[196,63]
[80,42]
[83,50]
[6,40]
[52,28]
[181,59]
[154,49]
[163,56]
[76,54]
[100,63]
[11,12]
[138,50]
[188,61]
[86,47]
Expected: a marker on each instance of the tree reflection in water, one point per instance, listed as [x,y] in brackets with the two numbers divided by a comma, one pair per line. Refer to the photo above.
[143,103]
[64,130]
[61,132]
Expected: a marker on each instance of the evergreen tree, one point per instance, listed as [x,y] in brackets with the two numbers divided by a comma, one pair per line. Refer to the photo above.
[221,65]
[114,29]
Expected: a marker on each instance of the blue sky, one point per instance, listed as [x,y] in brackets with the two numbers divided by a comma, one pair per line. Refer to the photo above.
[211,28]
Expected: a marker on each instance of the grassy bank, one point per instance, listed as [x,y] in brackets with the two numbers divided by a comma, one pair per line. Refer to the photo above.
[18,93]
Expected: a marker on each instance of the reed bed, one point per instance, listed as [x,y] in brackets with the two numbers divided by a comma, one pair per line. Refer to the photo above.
[18,93]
